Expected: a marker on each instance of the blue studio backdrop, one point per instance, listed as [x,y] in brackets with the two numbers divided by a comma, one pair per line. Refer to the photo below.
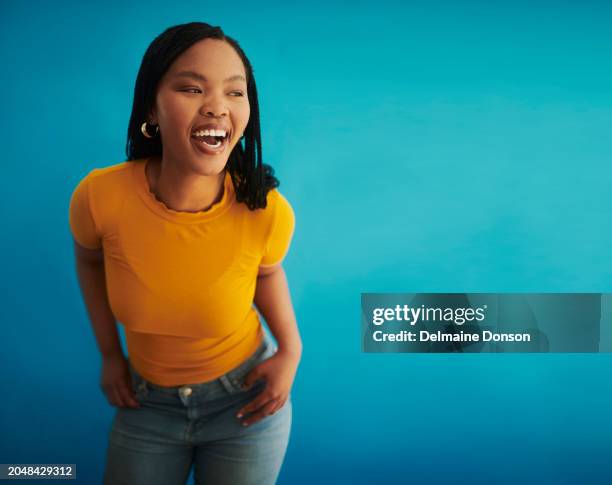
[424,146]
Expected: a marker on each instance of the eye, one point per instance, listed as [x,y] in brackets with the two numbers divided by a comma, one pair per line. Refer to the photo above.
[237,93]
[190,90]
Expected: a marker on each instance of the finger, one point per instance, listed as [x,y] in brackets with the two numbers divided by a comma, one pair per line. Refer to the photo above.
[131,394]
[251,377]
[112,396]
[255,404]
[278,406]
[120,398]
[262,413]
[128,396]
[246,387]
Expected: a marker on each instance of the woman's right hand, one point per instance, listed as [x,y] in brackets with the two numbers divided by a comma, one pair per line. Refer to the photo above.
[116,381]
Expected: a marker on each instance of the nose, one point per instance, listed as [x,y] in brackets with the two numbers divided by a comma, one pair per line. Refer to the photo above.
[213,106]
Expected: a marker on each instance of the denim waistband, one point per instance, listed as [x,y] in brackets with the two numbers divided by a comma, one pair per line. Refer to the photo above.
[265,349]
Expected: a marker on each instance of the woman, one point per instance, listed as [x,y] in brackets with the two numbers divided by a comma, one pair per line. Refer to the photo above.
[177,243]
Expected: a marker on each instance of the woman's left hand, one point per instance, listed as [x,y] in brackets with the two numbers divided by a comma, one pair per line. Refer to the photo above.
[278,372]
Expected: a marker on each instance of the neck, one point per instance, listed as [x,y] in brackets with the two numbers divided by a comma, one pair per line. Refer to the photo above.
[182,191]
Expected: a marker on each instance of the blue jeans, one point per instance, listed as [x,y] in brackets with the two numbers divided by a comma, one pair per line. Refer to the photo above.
[176,427]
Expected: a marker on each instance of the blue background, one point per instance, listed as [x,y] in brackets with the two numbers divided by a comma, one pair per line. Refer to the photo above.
[433,146]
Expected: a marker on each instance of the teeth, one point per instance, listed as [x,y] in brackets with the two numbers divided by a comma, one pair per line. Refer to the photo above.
[210,133]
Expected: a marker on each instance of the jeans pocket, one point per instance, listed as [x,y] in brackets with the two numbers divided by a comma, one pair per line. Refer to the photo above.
[234,379]
[139,386]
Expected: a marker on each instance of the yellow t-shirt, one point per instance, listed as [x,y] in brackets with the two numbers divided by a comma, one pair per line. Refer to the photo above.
[181,283]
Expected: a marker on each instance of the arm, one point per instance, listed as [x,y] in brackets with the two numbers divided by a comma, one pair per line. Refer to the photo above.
[273,301]
[115,379]
[92,281]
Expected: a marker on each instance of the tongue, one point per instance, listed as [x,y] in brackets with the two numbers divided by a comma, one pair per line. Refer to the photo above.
[211,140]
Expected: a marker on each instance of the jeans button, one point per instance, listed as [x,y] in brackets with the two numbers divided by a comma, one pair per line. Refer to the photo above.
[186,391]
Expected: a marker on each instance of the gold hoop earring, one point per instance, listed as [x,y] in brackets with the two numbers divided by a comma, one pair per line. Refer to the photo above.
[143,129]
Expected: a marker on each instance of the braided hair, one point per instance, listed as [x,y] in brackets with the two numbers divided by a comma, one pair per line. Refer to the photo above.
[252,178]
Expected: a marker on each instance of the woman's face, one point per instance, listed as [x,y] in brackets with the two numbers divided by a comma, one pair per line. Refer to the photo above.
[204,89]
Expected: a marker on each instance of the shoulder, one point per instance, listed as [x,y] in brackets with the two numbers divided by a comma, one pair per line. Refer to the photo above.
[278,211]
[279,228]
[103,190]
[98,179]
[108,185]
[277,203]
[264,224]
[108,174]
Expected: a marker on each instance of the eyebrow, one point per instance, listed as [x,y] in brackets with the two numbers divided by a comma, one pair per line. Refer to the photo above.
[200,77]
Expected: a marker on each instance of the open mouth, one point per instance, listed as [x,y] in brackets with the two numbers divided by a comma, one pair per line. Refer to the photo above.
[211,138]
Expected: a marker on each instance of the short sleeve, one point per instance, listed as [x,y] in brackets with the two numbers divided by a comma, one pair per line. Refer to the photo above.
[81,219]
[281,233]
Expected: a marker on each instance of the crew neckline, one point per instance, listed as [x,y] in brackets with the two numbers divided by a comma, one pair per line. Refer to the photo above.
[159,208]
